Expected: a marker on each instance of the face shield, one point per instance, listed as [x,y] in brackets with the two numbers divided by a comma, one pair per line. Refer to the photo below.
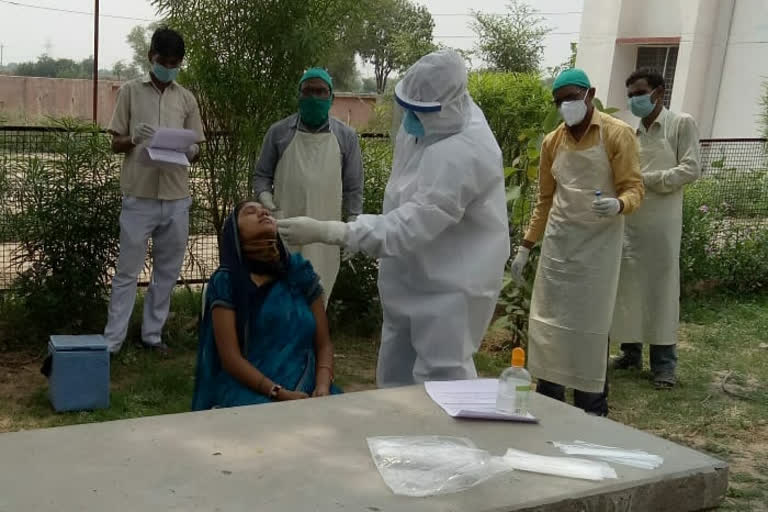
[408,112]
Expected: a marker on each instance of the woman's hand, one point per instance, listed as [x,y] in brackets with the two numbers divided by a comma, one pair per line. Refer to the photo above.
[324,390]
[285,395]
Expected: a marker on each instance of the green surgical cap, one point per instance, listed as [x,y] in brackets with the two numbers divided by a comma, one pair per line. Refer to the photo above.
[573,76]
[317,73]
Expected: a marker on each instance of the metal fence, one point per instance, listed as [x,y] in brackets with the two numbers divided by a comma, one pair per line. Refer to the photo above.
[734,183]
[735,180]
[24,149]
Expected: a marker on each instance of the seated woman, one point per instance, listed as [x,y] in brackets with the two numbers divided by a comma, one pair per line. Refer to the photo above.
[264,334]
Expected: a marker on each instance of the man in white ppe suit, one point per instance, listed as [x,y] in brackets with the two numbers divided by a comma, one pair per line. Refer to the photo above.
[443,237]
[589,179]
[648,302]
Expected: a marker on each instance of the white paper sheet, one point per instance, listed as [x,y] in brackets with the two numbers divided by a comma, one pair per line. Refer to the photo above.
[173,138]
[474,399]
[169,145]
[169,156]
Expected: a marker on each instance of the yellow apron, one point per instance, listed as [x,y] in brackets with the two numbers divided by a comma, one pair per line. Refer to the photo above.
[575,288]
[648,302]
[308,183]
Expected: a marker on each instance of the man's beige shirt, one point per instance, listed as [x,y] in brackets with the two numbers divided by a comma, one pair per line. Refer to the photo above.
[139,101]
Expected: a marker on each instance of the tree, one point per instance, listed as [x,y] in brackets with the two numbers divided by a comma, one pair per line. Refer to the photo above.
[244,61]
[369,84]
[122,71]
[513,42]
[139,39]
[343,69]
[395,34]
[48,67]
[568,64]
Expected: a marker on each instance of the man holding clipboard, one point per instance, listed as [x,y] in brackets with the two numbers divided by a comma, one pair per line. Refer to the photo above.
[156,197]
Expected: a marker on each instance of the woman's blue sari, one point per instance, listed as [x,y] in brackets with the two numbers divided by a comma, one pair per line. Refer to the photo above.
[276,328]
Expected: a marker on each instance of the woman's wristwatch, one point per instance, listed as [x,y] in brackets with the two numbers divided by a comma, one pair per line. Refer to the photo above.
[274,391]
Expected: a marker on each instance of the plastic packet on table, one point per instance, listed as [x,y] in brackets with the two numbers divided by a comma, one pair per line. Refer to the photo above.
[633,458]
[422,466]
[569,467]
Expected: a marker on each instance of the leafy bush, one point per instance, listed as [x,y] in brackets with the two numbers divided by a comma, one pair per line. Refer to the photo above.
[721,247]
[519,110]
[355,300]
[65,219]
[514,104]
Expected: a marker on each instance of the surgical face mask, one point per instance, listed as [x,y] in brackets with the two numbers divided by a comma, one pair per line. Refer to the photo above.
[163,73]
[574,112]
[642,106]
[413,125]
[314,111]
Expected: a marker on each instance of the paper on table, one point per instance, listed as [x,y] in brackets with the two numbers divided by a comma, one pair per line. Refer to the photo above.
[169,144]
[471,399]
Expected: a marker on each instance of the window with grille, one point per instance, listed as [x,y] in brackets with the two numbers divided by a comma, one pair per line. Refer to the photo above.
[664,60]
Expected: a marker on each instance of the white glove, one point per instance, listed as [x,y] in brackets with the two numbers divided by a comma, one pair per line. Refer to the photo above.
[606,207]
[143,133]
[267,200]
[519,263]
[192,151]
[346,254]
[299,231]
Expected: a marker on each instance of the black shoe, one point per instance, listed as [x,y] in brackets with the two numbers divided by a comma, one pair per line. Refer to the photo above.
[625,362]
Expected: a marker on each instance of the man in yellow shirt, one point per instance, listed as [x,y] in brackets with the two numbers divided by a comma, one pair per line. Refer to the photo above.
[589,177]
[156,197]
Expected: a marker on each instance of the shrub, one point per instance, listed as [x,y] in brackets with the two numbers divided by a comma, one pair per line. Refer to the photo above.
[514,104]
[721,246]
[355,299]
[65,220]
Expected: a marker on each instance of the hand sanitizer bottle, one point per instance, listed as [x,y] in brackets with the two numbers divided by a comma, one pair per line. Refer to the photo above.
[514,386]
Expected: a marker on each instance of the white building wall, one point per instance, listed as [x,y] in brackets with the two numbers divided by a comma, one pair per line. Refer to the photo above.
[718,83]
[597,42]
[746,68]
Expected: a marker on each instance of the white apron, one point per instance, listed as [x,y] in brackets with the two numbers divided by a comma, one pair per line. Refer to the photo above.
[648,301]
[575,288]
[308,183]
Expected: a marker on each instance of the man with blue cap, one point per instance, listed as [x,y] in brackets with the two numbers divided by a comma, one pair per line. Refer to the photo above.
[442,239]
[311,165]
[589,177]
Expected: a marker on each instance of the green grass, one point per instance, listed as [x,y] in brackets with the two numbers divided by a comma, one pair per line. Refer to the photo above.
[720,338]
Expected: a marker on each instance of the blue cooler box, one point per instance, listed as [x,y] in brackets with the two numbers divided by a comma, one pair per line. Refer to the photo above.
[79,373]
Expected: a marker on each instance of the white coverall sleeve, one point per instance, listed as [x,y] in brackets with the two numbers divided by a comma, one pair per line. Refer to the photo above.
[442,195]
[688,169]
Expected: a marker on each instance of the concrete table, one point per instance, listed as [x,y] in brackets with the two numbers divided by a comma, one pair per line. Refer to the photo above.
[312,456]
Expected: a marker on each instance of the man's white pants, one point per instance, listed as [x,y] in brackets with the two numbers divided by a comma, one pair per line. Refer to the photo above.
[167,222]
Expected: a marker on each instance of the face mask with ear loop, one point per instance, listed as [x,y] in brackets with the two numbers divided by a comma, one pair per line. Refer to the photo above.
[574,112]
[642,106]
[163,73]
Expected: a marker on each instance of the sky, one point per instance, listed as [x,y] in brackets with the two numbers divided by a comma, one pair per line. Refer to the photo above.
[27,32]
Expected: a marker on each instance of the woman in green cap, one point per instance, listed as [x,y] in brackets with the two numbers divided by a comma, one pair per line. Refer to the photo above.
[311,165]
